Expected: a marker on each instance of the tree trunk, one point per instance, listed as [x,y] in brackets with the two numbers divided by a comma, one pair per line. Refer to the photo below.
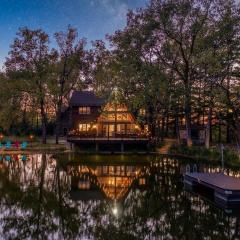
[208,129]
[158,132]
[162,128]
[57,130]
[238,131]
[44,123]
[151,122]
[188,117]
[228,131]
[219,133]
[58,116]
[177,129]
[167,125]
[58,124]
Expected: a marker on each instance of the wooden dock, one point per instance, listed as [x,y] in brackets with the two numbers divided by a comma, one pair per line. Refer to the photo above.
[226,189]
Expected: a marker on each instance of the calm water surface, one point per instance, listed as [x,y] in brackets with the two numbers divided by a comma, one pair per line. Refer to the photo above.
[107,197]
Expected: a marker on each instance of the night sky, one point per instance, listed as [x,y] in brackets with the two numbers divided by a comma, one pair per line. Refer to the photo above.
[92,18]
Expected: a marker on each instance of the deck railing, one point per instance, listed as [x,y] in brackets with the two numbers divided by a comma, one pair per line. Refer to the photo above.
[86,135]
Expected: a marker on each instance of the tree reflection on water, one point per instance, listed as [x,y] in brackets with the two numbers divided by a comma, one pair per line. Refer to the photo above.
[44,198]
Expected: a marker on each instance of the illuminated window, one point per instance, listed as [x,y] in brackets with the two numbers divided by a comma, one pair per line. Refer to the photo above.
[142,181]
[105,169]
[84,110]
[123,117]
[142,112]
[146,128]
[115,108]
[111,170]
[120,128]
[84,185]
[84,127]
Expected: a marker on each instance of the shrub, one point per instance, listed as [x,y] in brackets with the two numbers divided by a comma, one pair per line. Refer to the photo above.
[231,156]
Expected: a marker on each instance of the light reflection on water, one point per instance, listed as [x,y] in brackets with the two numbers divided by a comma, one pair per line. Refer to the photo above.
[107,197]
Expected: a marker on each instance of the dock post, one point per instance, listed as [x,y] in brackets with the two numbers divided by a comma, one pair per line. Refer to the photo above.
[122,147]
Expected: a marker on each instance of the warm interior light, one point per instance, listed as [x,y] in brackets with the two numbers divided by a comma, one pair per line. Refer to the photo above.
[115,210]
[84,127]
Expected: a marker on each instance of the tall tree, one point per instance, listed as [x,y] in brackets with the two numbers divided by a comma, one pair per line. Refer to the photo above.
[29,61]
[143,81]
[228,80]
[69,72]
[101,68]
[178,30]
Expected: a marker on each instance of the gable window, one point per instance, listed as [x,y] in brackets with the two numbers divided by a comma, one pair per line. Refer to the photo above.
[84,110]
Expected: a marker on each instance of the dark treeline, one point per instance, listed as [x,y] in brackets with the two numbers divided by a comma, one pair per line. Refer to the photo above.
[178,60]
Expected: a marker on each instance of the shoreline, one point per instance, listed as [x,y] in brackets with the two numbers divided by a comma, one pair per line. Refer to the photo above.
[62,149]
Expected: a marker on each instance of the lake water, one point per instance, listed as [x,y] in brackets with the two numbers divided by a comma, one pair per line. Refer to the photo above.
[108,197]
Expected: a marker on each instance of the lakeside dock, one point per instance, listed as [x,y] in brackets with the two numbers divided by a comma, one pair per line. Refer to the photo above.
[226,189]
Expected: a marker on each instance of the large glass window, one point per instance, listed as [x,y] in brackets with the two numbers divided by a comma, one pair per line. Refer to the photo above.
[84,127]
[121,128]
[121,117]
[84,110]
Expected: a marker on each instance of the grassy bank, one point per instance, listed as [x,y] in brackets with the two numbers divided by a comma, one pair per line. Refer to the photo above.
[34,145]
[213,154]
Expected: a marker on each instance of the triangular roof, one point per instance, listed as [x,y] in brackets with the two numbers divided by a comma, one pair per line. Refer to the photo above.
[86,98]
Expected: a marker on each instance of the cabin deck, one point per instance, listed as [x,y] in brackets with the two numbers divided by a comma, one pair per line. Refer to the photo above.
[103,139]
[226,188]
[114,144]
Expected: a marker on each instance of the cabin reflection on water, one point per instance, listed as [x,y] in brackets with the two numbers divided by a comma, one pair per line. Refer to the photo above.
[50,198]
[105,181]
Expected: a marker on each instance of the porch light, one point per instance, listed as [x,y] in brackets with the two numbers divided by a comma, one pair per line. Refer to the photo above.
[31,137]
[1,136]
